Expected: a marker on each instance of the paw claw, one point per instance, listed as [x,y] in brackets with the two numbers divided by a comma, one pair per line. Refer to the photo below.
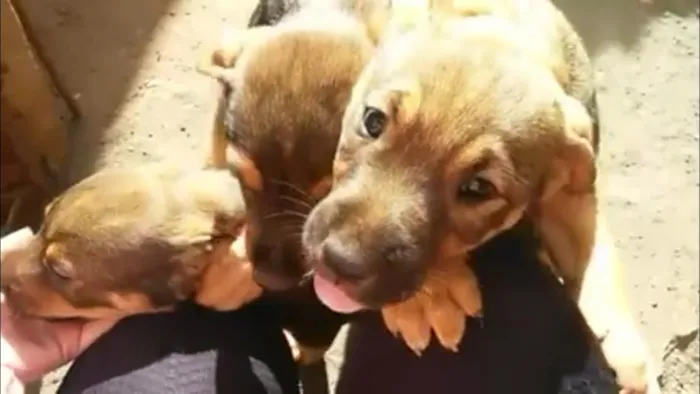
[391,320]
[408,321]
[417,349]
[447,320]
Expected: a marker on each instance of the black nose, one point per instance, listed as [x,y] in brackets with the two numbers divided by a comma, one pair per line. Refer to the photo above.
[344,261]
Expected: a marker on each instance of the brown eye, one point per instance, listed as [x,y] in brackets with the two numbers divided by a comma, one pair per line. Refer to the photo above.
[373,122]
[476,188]
[59,268]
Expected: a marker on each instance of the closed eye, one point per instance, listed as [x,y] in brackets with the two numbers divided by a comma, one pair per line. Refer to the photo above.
[58,268]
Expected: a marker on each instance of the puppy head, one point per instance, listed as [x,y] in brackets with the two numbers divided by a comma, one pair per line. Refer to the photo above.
[117,243]
[447,140]
[288,86]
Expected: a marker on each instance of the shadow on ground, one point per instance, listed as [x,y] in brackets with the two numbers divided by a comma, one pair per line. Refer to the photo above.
[107,40]
[97,47]
[622,22]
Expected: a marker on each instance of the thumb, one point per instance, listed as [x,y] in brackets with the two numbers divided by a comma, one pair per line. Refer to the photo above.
[15,242]
[92,330]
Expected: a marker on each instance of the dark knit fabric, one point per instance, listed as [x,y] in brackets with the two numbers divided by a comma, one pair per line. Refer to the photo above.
[191,351]
[531,340]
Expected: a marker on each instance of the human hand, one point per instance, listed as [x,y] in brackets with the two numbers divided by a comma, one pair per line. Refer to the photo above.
[31,347]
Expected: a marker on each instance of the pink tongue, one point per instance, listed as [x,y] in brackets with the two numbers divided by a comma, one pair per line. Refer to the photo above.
[333,297]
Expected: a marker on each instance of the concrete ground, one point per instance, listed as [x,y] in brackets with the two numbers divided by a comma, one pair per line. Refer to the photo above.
[129,66]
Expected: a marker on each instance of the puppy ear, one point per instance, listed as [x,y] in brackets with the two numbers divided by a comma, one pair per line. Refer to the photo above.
[574,167]
[406,14]
[374,15]
[380,17]
[471,7]
[55,256]
[218,62]
[50,205]
[400,99]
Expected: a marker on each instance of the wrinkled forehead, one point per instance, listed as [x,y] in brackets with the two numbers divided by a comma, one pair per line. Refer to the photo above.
[287,108]
[100,211]
[470,90]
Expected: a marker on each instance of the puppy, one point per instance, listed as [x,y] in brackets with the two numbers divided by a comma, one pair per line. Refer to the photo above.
[129,241]
[454,132]
[284,90]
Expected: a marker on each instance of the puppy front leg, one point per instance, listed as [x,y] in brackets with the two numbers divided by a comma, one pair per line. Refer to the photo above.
[577,238]
[450,293]
[603,303]
[218,143]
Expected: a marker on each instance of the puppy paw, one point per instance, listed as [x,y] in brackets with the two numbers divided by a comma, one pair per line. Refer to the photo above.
[627,355]
[408,320]
[441,305]
[464,289]
[449,298]
[447,320]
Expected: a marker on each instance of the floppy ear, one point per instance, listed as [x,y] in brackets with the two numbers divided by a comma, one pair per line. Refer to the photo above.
[218,62]
[573,169]
[380,17]
[50,205]
[406,14]
[374,16]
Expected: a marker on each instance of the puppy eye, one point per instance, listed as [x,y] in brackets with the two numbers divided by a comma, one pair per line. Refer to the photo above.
[58,268]
[476,188]
[373,122]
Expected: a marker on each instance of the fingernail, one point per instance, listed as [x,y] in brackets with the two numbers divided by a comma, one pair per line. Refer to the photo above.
[17,239]
[15,236]
[238,248]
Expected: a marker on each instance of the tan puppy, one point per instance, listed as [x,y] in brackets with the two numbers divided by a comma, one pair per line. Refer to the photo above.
[284,90]
[129,241]
[455,132]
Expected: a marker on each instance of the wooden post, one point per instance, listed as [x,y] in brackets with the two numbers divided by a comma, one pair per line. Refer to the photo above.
[33,120]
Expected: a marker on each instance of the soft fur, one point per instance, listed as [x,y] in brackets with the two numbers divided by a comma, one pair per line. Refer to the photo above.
[126,241]
[456,130]
[285,88]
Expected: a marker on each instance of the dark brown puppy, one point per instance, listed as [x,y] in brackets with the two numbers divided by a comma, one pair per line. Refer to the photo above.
[284,90]
[456,131]
[128,241]
[288,86]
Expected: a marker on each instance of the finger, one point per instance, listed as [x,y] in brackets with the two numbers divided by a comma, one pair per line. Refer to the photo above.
[92,330]
[15,242]
[252,289]
[10,382]
[243,287]
[237,248]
